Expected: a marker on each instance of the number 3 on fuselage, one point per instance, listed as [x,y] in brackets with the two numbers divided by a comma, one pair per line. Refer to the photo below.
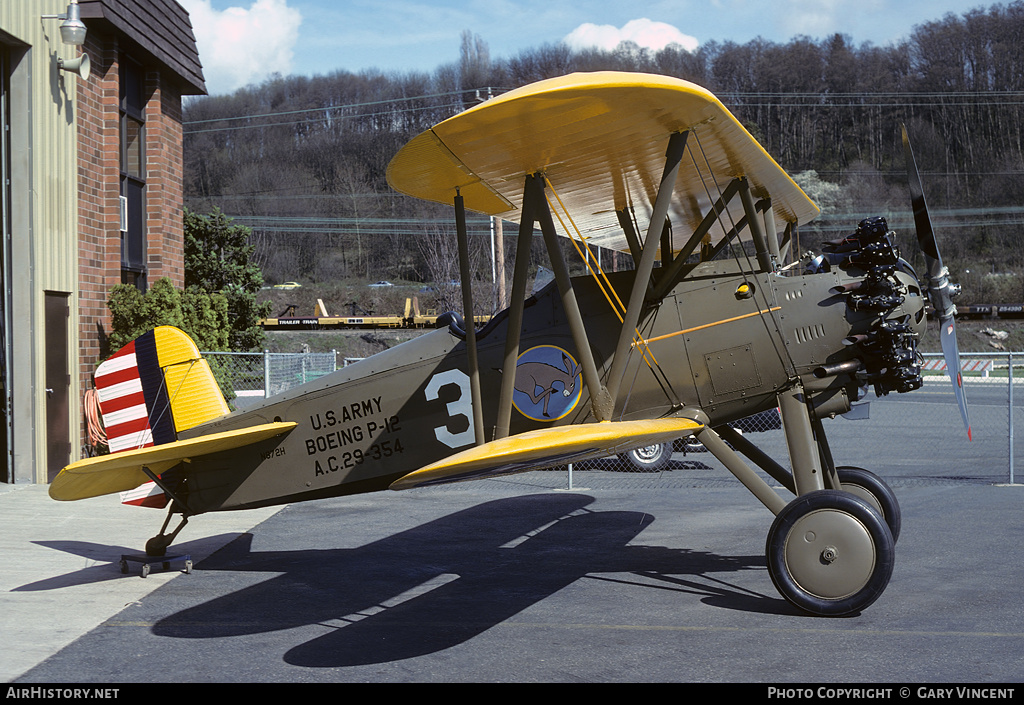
[460,407]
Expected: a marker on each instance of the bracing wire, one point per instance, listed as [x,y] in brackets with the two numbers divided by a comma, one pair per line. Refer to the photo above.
[767,308]
[170,400]
[587,260]
[598,276]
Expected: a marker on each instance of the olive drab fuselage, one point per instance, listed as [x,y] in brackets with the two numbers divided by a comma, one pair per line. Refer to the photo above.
[724,342]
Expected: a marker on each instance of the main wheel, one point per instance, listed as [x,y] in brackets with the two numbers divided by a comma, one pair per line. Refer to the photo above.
[829,553]
[873,490]
[649,458]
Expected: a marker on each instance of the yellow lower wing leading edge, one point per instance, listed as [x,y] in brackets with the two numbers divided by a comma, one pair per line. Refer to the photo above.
[120,472]
[536,450]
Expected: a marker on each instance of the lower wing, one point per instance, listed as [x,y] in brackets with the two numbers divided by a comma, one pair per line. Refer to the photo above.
[536,450]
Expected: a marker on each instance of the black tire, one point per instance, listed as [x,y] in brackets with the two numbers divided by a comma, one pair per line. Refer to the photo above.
[829,553]
[690,444]
[873,489]
[649,458]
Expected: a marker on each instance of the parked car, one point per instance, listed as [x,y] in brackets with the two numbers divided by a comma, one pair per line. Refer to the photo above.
[381,283]
[655,457]
[288,286]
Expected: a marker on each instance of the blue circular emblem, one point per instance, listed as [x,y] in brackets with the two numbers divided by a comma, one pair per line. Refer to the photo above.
[548,384]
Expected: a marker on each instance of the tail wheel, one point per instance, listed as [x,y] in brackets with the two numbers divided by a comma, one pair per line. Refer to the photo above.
[829,553]
[873,490]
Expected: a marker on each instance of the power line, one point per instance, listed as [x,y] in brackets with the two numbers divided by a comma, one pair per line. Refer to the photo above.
[943,219]
[746,98]
[327,118]
[348,106]
[394,194]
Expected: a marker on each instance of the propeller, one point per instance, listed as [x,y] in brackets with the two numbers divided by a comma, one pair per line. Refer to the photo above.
[940,290]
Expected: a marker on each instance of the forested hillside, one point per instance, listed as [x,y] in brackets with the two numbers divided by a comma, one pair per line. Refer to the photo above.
[302,160]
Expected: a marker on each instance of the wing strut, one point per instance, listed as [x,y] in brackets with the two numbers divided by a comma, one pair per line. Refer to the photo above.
[765,206]
[765,259]
[601,403]
[787,241]
[535,211]
[626,223]
[517,302]
[673,156]
[670,276]
[470,317]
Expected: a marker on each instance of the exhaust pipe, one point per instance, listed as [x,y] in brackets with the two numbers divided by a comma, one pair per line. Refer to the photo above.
[846,367]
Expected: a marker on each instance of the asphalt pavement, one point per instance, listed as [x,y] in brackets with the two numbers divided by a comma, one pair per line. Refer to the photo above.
[61,572]
[619,578]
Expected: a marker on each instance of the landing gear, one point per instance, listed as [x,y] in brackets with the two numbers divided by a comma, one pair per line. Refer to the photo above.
[829,553]
[873,490]
[157,546]
[176,490]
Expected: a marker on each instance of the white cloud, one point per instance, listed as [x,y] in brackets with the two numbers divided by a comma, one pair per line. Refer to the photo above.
[815,18]
[239,45]
[644,32]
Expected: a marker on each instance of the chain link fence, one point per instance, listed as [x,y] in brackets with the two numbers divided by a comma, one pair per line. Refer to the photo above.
[910,438]
[245,377]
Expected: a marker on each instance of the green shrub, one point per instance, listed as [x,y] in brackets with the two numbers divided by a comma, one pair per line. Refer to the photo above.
[204,316]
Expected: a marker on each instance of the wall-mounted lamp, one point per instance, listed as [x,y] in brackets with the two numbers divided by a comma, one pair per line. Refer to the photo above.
[72,29]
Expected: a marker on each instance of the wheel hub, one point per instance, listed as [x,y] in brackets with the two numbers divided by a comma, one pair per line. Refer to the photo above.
[830,554]
[648,452]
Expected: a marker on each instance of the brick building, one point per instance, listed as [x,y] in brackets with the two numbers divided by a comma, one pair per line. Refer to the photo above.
[94,168]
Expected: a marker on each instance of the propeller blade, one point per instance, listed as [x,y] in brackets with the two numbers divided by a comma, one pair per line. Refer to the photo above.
[923,224]
[940,290]
[952,355]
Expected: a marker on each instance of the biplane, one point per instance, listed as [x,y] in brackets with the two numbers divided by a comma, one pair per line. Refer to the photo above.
[722,316]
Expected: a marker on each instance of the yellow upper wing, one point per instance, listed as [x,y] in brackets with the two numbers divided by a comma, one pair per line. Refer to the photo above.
[600,139]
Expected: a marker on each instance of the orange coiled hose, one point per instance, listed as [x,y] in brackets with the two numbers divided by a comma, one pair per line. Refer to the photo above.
[94,425]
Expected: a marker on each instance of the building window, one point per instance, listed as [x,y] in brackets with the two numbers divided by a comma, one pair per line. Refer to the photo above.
[133,175]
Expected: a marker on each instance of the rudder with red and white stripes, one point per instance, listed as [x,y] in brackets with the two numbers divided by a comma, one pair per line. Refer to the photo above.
[150,390]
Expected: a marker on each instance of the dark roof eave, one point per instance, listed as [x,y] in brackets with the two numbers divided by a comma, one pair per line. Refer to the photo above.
[160,28]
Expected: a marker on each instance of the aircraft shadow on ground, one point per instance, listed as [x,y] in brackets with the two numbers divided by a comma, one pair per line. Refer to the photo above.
[442,583]
[104,556]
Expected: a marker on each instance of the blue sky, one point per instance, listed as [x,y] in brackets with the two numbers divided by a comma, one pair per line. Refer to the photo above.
[245,41]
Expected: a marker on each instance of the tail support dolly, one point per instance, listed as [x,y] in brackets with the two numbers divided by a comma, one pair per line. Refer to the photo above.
[148,561]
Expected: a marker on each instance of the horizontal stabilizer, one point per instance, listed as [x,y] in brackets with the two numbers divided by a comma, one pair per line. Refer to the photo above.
[119,472]
[536,450]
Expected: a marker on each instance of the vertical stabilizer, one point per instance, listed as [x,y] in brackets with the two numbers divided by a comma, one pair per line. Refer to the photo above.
[150,390]
[195,396]
[154,387]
